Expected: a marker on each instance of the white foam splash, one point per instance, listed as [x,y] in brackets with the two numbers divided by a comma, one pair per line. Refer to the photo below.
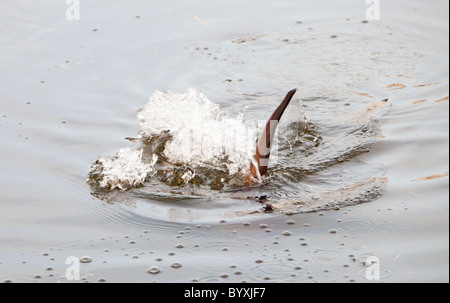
[202,133]
[123,171]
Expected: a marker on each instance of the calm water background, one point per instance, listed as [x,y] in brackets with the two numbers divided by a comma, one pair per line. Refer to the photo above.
[70,90]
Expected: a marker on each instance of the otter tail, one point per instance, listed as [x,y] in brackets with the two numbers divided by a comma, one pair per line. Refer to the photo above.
[262,154]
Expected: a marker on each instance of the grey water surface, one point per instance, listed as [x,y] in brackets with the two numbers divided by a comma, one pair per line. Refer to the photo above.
[369,178]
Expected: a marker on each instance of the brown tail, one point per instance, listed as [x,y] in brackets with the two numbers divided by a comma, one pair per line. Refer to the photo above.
[264,144]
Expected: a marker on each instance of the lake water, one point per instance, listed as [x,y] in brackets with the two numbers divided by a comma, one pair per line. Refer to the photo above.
[360,173]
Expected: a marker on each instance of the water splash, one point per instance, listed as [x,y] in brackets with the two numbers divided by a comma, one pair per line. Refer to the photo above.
[123,171]
[202,134]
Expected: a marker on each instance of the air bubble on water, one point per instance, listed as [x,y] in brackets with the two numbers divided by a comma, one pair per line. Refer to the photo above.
[176,265]
[85,259]
[154,270]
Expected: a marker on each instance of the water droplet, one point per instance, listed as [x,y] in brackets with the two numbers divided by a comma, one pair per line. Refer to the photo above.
[332,231]
[154,270]
[224,276]
[287,233]
[258,261]
[179,245]
[101,280]
[263,225]
[290,222]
